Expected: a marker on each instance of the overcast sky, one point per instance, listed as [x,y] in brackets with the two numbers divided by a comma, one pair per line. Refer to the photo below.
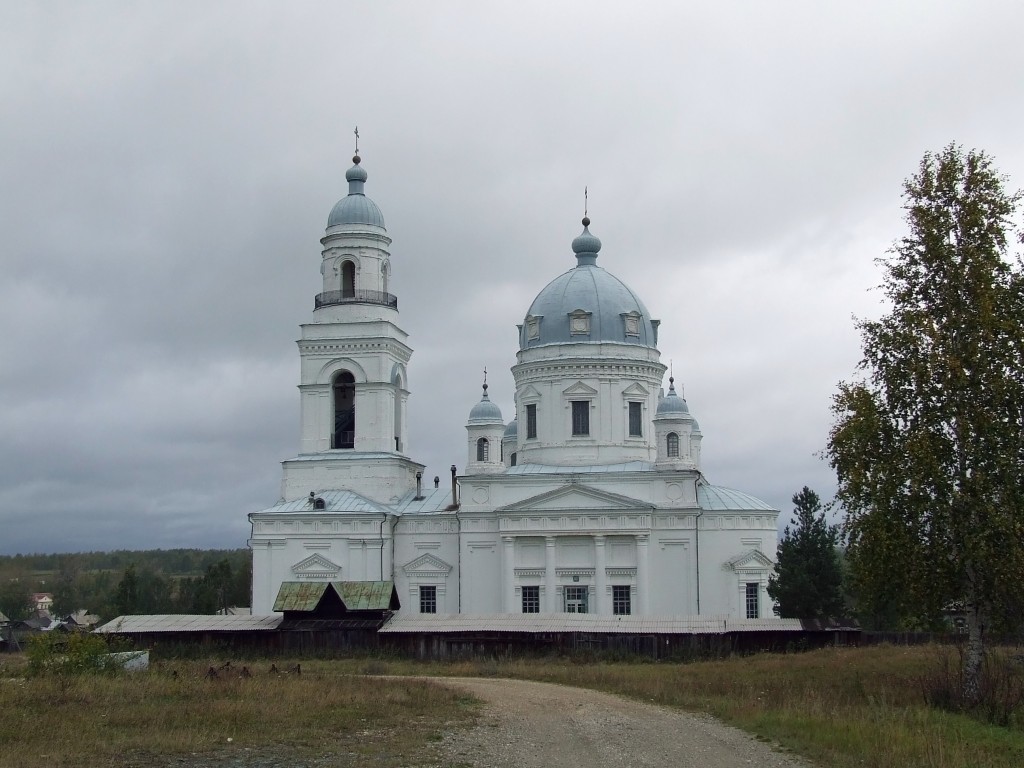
[166,171]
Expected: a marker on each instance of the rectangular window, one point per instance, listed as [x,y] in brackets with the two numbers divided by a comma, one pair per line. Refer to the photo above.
[531,421]
[621,605]
[531,599]
[581,417]
[576,599]
[635,420]
[428,599]
[753,602]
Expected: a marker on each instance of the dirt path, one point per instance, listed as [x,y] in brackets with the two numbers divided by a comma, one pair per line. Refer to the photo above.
[541,725]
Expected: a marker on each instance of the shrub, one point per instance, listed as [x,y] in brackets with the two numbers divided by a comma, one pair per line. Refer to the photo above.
[52,653]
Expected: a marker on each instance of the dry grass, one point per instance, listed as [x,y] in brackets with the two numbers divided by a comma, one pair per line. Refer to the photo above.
[838,707]
[154,718]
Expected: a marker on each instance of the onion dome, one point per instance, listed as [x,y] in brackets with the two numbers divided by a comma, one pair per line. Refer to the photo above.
[356,207]
[485,412]
[587,304]
[512,430]
[586,246]
[672,404]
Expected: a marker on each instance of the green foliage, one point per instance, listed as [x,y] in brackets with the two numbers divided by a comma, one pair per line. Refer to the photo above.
[14,598]
[928,447]
[160,581]
[807,583]
[76,653]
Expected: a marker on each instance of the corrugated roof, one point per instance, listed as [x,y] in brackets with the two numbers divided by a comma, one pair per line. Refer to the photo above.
[190,623]
[577,622]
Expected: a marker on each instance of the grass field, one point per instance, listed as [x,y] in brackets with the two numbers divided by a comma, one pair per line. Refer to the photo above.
[838,707]
[151,718]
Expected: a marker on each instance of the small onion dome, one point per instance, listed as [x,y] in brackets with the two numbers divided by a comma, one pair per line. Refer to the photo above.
[486,412]
[356,172]
[512,430]
[356,207]
[672,405]
[586,246]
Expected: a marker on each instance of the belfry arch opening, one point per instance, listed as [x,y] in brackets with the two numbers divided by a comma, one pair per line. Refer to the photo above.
[483,449]
[398,413]
[344,390]
[348,279]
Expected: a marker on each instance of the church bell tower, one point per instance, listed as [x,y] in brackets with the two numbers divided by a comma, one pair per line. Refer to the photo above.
[354,357]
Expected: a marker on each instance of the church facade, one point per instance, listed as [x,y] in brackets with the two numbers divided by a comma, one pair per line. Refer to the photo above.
[590,499]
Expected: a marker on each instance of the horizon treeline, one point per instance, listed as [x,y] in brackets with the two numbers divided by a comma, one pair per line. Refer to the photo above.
[119,582]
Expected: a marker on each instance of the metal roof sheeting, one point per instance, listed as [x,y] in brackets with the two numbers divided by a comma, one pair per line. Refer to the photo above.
[356,595]
[557,469]
[581,622]
[299,595]
[190,623]
[714,498]
[365,595]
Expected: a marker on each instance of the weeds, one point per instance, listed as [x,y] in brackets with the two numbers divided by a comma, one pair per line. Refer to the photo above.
[1001,695]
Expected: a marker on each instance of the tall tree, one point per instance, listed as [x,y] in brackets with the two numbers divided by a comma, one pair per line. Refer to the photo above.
[928,446]
[807,583]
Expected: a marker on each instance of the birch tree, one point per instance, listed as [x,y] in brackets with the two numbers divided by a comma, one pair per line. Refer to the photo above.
[927,444]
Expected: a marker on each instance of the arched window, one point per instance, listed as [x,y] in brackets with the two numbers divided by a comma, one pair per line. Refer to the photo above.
[348,279]
[513,459]
[672,444]
[483,449]
[398,413]
[344,388]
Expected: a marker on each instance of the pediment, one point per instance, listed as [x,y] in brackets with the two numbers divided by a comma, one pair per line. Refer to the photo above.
[577,498]
[316,566]
[529,393]
[427,565]
[579,388]
[636,389]
[751,560]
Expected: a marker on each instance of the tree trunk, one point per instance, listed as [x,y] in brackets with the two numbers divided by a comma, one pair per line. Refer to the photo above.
[975,654]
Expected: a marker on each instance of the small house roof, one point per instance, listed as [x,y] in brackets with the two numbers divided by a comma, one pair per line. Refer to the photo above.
[355,595]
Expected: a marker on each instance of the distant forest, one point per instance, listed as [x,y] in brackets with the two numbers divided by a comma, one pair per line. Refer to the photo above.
[111,584]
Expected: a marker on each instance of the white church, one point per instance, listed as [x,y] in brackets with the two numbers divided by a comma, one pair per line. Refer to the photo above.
[590,499]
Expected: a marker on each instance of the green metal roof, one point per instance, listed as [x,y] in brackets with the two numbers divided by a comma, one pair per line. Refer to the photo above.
[365,595]
[356,595]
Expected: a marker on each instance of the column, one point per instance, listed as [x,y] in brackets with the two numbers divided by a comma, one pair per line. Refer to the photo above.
[550,589]
[508,576]
[601,606]
[642,570]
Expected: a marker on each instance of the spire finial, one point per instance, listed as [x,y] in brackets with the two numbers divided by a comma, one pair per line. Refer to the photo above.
[586,218]
[356,132]
[485,381]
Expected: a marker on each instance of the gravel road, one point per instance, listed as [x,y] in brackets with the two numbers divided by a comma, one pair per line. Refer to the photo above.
[541,725]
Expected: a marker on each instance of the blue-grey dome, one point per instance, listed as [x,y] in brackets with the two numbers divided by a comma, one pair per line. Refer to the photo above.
[512,430]
[586,244]
[356,207]
[672,405]
[587,304]
[485,412]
